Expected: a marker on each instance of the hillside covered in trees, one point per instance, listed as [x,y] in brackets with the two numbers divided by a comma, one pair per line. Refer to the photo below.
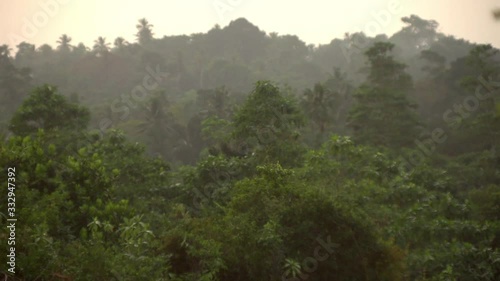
[239,154]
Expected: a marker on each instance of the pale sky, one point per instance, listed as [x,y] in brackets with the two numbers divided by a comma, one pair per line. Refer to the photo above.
[314,21]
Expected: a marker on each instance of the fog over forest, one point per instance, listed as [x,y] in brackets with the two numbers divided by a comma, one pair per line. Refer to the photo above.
[245,154]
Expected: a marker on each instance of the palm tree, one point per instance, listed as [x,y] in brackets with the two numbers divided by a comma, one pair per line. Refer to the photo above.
[214,102]
[157,126]
[101,47]
[341,90]
[318,103]
[63,42]
[120,43]
[327,105]
[144,33]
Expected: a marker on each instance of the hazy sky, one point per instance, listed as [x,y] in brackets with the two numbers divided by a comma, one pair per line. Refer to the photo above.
[314,21]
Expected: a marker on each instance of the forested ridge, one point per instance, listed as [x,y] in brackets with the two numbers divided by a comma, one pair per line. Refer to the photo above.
[238,154]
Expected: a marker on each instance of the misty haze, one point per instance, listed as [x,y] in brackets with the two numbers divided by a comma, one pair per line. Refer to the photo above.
[235,140]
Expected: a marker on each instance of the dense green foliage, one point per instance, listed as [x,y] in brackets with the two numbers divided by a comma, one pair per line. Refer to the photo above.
[180,159]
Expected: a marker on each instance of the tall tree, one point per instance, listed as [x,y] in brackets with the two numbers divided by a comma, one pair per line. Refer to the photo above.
[318,104]
[101,47]
[431,91]
[216,103]
[382,114]
[342,89]
[416,35]
[165,136]
[482,127]
[14,83]
[64,43]
[144,32]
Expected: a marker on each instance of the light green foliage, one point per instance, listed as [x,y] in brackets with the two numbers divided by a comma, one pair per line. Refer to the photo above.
[45,109]
[75,222]
[269,221]
[413,209]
